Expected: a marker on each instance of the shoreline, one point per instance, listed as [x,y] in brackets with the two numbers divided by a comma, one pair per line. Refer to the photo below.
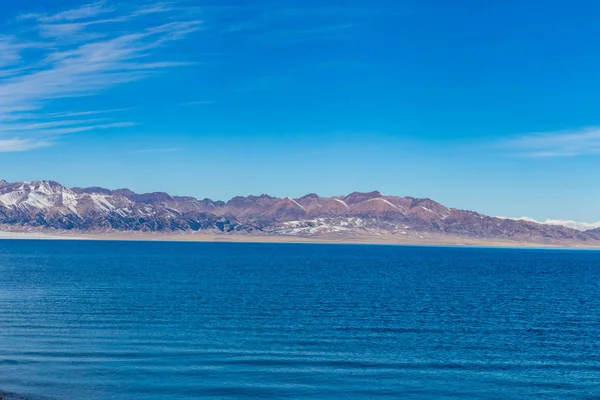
[241,238]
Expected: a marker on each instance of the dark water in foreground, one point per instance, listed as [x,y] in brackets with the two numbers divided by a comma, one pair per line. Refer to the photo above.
[118,320]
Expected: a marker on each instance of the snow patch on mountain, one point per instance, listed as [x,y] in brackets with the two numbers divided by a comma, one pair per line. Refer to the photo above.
[102,203]
[342,203]
[580,226]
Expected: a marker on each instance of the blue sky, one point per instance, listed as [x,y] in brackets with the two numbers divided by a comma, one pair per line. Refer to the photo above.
[490,106]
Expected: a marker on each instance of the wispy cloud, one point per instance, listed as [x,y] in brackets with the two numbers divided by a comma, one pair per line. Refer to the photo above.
[569,143]
[75,53]
[83,113]
[85,11]
[16,144]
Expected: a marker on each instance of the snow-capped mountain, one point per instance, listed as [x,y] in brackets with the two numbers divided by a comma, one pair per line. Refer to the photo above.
[50,205]
[579,226]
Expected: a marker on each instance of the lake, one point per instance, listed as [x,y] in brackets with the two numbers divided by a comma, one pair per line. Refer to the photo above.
[84,320]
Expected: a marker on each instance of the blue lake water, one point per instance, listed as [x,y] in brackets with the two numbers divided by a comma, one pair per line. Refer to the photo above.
[135,320]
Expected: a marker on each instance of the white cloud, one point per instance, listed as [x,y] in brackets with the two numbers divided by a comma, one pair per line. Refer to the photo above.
[154,8]
[12,145]
[585,141]
[79,52]
[85,11]
[580,226]
[83,113]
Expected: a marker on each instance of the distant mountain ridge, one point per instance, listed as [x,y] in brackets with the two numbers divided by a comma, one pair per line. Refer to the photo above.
[50,205]
[580,226]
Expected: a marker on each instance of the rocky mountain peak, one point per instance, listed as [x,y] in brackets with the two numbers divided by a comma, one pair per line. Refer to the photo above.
[359,197]
[91,190]
[124,192]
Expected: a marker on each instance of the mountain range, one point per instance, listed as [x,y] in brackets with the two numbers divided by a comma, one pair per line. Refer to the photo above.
[50,206]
